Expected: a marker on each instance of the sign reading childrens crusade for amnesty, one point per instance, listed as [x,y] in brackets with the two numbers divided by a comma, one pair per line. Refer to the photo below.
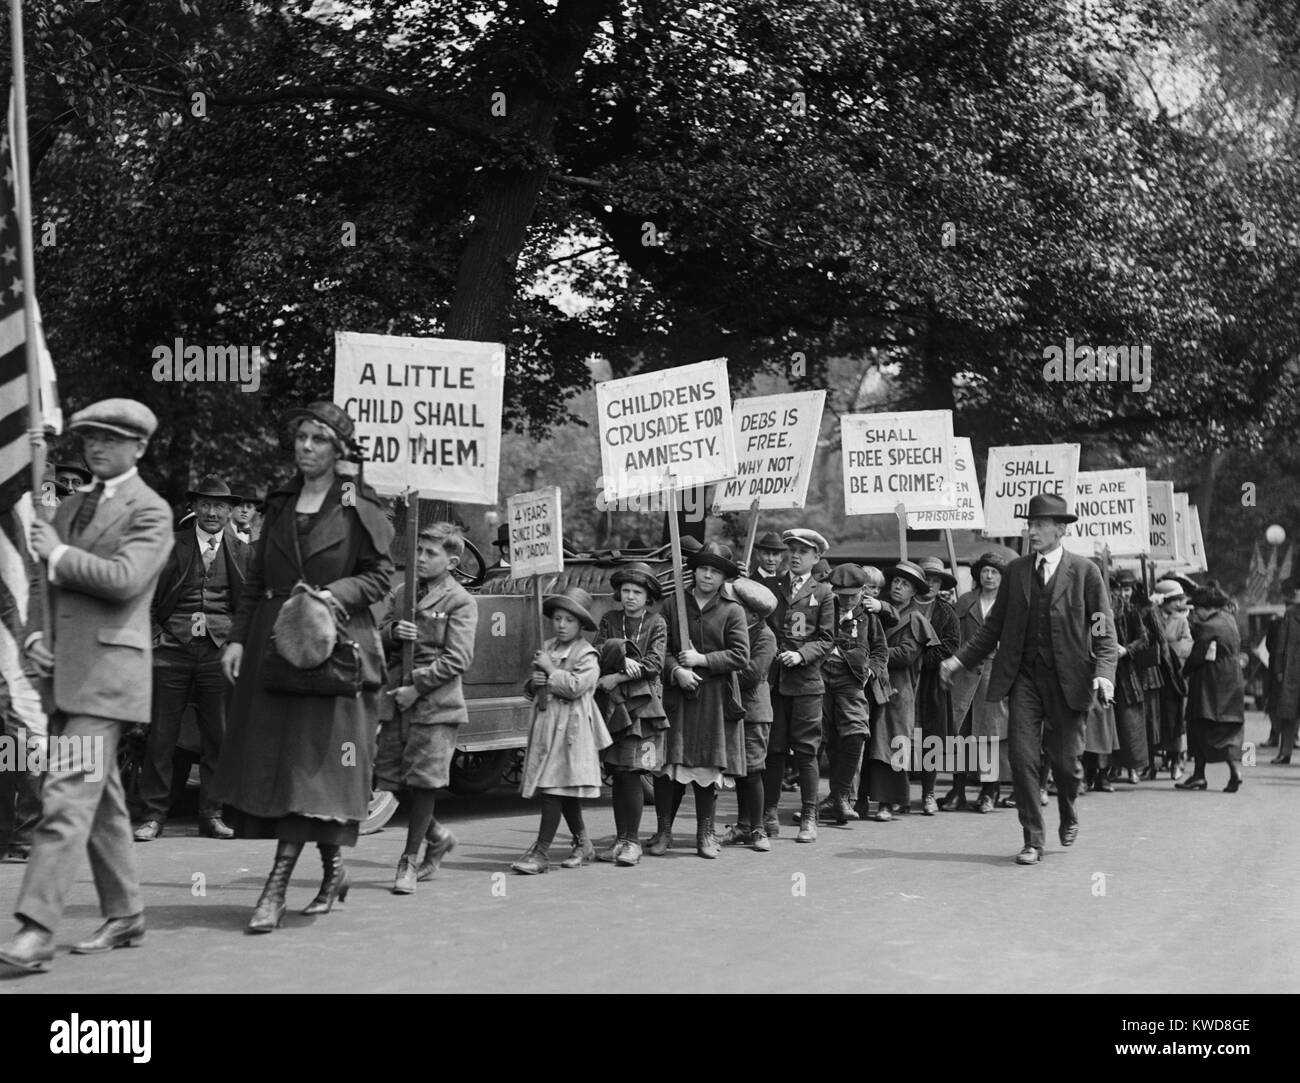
[1015,474]
[427,412]
[535,532]
[665,429]
[892,459]
[969,512]
[1112,510]
[776,440]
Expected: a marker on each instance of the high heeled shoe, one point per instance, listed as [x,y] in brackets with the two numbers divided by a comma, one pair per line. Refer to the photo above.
[1234,784]
[335,885]
[270,906]
[1191,784]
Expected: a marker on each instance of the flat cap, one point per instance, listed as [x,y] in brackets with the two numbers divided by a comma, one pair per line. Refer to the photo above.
[810,538]
[126,417]
[847,577]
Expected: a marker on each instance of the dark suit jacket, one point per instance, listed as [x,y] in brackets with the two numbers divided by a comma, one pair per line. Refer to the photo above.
[184,553]
[1083,629]
[804,623]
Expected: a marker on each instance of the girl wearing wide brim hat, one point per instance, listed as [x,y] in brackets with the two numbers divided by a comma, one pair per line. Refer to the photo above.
[909,571]
[633,641]
[714,555]
[933,567]
[562,762]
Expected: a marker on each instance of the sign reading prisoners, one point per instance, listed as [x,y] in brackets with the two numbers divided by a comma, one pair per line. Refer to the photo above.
[1017,473]
[660,426]
[1112,510]
[969,513]
[535,532]
[1160,507]
[776,439]
[427,412]
[892,459]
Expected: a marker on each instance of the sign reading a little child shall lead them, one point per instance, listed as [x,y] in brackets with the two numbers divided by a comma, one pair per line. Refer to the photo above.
[893,459]
[427,413]
[535,528]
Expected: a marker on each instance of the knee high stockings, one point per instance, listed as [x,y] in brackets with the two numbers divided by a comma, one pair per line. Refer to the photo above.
[706,799]
[749,799]
[629,804]
[553,807]
[422,805]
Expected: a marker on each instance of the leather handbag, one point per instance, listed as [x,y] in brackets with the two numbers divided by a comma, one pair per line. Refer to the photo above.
[307,628]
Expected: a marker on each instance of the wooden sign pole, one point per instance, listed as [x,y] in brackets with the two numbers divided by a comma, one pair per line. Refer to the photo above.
[901,511]
[675,543]
[412,543]
[537,609]
[952,552]
[749,541]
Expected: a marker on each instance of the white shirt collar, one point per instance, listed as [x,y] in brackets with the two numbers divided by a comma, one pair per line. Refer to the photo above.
[203,537]
[1053,559]
[111,485]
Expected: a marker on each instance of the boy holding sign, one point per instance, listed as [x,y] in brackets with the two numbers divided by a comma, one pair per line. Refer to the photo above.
[804,623]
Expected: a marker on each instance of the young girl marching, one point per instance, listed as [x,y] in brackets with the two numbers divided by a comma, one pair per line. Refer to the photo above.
[632,642]
[563,758]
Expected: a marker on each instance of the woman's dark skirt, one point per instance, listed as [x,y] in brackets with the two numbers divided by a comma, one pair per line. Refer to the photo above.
[885,784]
[293,828]
[1214,742]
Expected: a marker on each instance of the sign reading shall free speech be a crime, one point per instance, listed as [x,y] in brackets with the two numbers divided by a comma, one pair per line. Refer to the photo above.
[776,441]
[665,429]
[892,459]
[969,512]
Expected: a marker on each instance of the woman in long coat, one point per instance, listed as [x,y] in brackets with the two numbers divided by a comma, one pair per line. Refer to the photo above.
[889,751]
[702,698]
[985,721]
[1216,695]
[1130,718]
[297,768]
[934,709]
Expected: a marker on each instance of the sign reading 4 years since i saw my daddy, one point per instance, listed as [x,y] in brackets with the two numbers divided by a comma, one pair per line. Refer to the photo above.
[536,531]
[776,440]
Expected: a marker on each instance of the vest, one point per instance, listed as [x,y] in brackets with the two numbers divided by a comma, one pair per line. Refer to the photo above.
[207,593]
[1038,633]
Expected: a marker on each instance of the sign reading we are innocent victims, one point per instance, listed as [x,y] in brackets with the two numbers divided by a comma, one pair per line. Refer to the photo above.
[892,459]
[427,412]
[665,429]
[1018,473]
[1112,510]
[776,441]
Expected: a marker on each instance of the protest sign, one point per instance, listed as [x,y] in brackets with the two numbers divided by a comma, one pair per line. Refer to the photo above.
[776,440]
[1022,471]
[1160,507]
[898,459]
[536,532]
[427,412]
[1195,543]
[665,429]
[1112,510]
[969,512]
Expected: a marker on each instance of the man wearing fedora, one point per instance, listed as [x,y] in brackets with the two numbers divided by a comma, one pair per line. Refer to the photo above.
[1283,643]
[104,552]
[192,610]
[804,623]
[1055,637]
[244,514]
[769,552]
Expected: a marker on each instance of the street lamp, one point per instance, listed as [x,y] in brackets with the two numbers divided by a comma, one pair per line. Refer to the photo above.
[1275,535]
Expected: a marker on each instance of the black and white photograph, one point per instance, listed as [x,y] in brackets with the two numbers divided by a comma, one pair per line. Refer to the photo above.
[651,496]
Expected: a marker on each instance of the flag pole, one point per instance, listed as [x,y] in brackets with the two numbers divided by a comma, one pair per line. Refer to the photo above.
[27,255]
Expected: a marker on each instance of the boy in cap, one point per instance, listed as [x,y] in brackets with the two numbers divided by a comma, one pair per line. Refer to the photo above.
[418,738]
[804,623]
[103,554]
[860,653]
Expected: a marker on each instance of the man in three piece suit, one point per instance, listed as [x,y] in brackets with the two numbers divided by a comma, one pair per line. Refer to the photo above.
[193,606]
[104,551]
[1055,637]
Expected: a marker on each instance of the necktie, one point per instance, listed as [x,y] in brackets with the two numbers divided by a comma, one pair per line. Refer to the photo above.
[1042,571]
[209,552]
[86,512]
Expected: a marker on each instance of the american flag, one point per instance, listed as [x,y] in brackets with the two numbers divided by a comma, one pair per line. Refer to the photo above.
[17,562]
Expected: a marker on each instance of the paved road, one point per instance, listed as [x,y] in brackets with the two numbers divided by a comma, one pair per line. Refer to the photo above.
[1199,892]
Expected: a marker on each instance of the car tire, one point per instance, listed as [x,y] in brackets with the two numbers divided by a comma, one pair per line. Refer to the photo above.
[474,773]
